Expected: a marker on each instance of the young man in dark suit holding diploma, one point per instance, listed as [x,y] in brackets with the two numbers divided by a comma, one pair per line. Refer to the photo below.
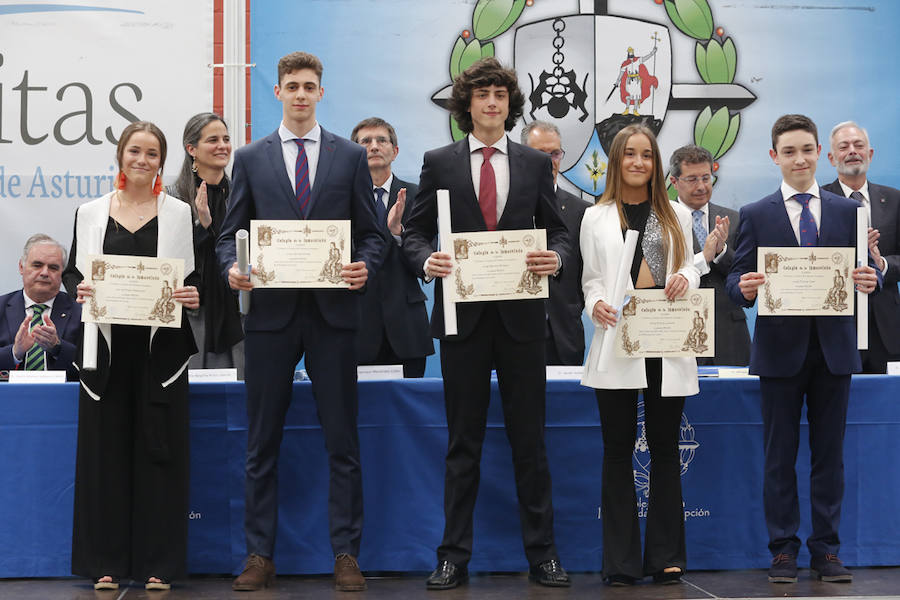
[494,184]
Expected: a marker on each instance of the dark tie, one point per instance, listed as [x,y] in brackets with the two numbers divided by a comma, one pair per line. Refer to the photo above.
[809,234]
[699,229]
[862,200]
[487,190]
[34,358]
[380,209]
[301,177]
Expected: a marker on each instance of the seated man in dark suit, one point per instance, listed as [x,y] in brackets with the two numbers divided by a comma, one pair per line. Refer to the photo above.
[565,342]
[394,325]
[851,155]
[690,169]
[800,358]
[39,324]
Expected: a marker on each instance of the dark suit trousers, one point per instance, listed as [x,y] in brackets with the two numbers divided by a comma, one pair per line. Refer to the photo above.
[664,542]
[466,367]
[331,363]
[826,404]
[875,359]
[412,367]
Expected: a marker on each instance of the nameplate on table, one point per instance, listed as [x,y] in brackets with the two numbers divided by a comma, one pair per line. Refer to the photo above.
[379,372]
[212,375]
[806,281]
[299,253]
[893,368]
[565,372]
[735,372]
[651,325]
[490,265]
[134,290]
[37,376]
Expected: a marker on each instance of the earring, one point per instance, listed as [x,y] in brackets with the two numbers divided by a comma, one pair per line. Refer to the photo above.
[120,181]
[157,185]
[194,166]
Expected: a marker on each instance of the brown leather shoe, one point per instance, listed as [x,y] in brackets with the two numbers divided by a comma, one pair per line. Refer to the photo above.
[258,573]
[347,577]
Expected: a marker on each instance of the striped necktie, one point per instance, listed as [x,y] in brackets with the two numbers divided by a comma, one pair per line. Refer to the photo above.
[34,358]
[301,179]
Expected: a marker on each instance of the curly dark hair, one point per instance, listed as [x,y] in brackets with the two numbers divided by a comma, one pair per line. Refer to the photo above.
[483,73]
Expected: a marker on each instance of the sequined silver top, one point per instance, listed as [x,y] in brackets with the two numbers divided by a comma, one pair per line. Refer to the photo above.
[654,249]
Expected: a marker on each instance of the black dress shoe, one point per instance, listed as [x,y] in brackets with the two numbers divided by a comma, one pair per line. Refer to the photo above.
[446,576]
[668,577]
[549,573]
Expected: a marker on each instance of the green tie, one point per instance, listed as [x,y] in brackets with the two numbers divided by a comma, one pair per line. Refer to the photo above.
[34,358]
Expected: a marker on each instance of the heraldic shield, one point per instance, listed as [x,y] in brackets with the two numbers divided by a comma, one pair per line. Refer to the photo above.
[592,75]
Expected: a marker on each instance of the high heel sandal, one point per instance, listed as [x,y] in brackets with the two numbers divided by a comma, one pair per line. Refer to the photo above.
[162,584]
[112,584]
[668,577]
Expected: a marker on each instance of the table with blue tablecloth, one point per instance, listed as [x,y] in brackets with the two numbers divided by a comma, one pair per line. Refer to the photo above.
[403,439]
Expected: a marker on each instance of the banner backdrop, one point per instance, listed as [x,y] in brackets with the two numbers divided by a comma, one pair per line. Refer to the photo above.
[713,72]
[72,76]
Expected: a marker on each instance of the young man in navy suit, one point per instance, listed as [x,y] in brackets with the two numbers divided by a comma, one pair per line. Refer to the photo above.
[39,325]
[851,155]
[494,183]
[394,326]
[302,171]
[797,357]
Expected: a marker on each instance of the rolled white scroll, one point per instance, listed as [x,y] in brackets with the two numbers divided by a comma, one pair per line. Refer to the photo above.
[444,231]
[242,246]
[862,259]
[92,245]
[622,277]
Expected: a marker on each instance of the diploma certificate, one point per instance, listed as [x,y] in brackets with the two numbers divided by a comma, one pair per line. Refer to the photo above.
[299,254]
[134,290]
[809,281]
[490,265]
[653,326]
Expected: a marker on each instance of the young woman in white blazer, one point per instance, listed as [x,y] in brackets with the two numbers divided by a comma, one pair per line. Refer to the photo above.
[635,198]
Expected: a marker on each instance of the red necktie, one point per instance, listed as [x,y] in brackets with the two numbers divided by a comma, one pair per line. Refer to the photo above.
[487,190]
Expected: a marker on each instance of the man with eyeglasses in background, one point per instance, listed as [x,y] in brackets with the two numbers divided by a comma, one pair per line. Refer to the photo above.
[394,328]
[565,339]
[690,170]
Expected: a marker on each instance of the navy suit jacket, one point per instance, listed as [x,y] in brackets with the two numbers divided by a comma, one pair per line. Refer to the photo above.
[261,189]
[530,204]
[780,343]
[66,315]
[884,307]
[566,301]
[394,304]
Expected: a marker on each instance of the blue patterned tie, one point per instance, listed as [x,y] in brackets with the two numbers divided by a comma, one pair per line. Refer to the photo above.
[380,209]
[34,358]
[809,234]
[301,179]
[699,229]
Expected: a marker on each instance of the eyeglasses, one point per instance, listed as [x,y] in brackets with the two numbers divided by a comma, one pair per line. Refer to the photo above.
[693,179]
[557,155]
[380,140]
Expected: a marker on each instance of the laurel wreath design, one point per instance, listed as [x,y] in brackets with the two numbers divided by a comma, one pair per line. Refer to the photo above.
[715,57]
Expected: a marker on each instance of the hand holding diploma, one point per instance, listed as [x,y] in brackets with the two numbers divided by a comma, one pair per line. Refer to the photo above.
[676,286]
[355,274]
[439,264]
[187,295]
[604,314]
[238,280]
[750,283]
[542,262]
[865,279]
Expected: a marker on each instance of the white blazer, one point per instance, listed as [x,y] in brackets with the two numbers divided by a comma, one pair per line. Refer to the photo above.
[601,250]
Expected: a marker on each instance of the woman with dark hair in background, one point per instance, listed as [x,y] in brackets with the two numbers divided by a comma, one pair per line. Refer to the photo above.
[203,184]
[635,198]
[131,474]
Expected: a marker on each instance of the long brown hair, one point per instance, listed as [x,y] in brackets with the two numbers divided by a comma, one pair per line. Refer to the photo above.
[656,189]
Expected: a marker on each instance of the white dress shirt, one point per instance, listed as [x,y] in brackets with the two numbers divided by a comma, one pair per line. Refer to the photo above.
[29,312]
[289,150]
[500,164]
[794,208]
